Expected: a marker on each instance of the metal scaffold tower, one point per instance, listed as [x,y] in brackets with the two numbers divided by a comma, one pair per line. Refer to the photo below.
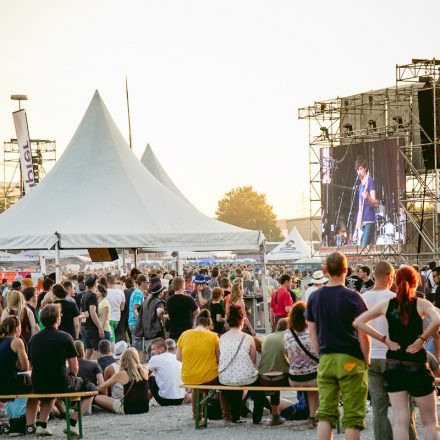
[409,113]
[43,158]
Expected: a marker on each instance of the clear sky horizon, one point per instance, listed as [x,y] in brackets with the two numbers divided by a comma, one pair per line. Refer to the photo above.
[214,85]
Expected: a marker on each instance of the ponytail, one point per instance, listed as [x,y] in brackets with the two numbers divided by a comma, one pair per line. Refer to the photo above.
[406,280]
[8,326]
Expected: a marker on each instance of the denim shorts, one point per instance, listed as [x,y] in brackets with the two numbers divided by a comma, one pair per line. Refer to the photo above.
[136,342]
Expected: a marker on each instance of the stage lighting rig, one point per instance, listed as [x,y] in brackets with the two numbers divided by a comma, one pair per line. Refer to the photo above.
[325,132]
[398,121]
[371,126]
[348,129]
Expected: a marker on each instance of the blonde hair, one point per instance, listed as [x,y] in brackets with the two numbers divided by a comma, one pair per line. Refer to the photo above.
[131,364]
[247,276]
[17,301]
[236,292]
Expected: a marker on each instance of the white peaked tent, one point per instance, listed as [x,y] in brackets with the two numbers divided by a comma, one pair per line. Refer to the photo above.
[153,165]
[99,195]
[293,247]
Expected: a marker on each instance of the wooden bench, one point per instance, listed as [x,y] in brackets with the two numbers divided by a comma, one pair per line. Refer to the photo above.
[66,397]
[202,404]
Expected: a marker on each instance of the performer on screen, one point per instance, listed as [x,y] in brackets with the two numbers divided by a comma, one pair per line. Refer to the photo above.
[365,224]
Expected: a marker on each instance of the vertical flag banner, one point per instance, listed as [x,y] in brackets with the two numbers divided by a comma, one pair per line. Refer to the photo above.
[24,148]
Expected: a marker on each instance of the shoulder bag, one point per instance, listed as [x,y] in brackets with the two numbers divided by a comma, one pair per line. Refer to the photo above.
[233,357]
[304,349]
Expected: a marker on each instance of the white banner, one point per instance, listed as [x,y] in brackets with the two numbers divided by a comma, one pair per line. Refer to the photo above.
[24,148]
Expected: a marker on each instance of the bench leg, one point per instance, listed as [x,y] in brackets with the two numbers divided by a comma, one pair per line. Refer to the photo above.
[67,403]
[197,392]
[80,427]
[205,408]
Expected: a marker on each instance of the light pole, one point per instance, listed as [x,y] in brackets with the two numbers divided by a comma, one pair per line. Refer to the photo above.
[19,98]
[270,234]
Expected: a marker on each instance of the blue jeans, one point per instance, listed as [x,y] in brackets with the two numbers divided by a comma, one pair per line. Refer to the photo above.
[368,234]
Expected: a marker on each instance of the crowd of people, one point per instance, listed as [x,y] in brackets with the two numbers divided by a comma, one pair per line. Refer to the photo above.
[366,332]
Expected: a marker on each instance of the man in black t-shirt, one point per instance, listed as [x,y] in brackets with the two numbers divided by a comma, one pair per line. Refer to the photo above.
[49,350]
[181,309]
[69,312]
[343,352]
[364,275]
[91,328]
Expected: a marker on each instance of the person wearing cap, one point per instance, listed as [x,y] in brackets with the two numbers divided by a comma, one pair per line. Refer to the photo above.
[27,282]
[136,299]
[318,280]
[153,310]
[202,293]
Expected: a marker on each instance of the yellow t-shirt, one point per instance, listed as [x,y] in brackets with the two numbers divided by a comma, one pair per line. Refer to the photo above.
[102,305]
[199,361]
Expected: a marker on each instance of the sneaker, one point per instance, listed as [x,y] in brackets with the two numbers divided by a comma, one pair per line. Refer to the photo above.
[43,432]
[30,430]
[73,430]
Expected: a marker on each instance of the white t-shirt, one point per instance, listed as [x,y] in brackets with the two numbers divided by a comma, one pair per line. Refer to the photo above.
[309,291]
[117,388]
[372,298]
[115,297]
[167,371]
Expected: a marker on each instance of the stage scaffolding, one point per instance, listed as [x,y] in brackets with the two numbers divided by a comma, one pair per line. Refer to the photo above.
[43,158]
[389,113]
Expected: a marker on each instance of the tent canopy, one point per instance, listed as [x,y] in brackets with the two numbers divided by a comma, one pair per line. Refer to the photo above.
[292,248]
[99,195]
[153,165]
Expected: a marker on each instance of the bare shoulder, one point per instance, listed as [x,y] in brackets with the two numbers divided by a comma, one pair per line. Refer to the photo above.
[16,344]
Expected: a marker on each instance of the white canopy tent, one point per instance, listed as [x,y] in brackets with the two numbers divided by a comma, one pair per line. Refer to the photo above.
[292,248]
[99,195]
[152,164]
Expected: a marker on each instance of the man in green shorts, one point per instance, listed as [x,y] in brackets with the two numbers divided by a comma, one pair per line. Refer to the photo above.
[343,352]
[116,298]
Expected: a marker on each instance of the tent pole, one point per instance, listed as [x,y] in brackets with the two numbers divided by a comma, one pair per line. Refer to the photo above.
[179,265]
[135,257]
[264,287]
[57,262]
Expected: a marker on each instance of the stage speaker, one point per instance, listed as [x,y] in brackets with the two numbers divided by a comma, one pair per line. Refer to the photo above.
[426,118]
[103,254]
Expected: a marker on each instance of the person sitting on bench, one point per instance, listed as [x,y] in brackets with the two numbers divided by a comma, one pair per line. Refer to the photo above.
[13,354]
[48,352]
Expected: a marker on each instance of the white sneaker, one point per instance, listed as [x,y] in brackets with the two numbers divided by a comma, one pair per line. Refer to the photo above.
[73,430]
[43,431]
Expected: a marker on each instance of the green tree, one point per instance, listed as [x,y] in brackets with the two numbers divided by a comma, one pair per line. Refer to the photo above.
[248,209]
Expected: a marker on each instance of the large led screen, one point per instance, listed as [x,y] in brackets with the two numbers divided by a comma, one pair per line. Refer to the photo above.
[361,185]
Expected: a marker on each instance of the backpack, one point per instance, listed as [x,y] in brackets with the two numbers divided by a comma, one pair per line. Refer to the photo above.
[214,407]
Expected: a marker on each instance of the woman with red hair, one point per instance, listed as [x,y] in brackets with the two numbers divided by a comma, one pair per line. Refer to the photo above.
[406,372]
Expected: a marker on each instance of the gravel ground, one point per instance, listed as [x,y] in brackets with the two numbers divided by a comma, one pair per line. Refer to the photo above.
[176,423]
